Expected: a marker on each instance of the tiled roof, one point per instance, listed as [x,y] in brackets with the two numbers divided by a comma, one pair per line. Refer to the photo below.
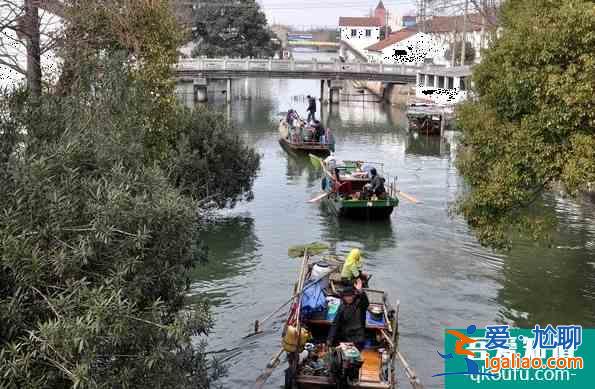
[440,24]
[380,5]
[359,22]
[392,39]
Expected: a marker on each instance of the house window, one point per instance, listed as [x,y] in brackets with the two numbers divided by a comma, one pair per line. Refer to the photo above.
[431,80]
[440,81]
[451,82]
[462,85]
[422,78]
[353,32]
[368,32]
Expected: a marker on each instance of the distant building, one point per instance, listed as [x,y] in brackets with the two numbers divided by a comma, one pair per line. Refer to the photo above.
[359,33]
[401,22]
[444,86]
[448,29]
[396,48]
[380,13]
[408,21]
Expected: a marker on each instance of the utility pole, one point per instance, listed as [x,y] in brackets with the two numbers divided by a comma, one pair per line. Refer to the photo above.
[464,38]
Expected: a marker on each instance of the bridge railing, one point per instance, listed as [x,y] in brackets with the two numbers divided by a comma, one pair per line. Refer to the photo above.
[277,65]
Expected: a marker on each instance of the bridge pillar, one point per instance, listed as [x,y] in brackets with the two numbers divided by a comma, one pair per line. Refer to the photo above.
[335,95]
[321,94]
[228,91]
[335,91]
[200,90]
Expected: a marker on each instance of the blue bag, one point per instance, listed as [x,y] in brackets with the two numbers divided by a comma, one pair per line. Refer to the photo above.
[313,299]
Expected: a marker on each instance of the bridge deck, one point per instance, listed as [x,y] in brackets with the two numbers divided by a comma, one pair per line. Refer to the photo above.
[259,68]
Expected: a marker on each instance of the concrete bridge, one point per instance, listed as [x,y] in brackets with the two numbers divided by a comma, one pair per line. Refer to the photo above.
[200,70]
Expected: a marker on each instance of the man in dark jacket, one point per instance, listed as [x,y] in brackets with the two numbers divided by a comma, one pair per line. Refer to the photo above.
[350,322]
[377,183]
[311,108]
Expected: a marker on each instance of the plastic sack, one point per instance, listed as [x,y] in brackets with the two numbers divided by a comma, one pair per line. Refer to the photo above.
[313,299]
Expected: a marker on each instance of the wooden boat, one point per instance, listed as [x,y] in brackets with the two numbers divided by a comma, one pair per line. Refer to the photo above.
[346,195]
[312,364]
[298,141]
[428,118]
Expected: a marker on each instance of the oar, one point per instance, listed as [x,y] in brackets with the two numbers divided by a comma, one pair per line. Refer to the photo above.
[319,197]
[264,376]
[408,197]
[413,379]
[257,323]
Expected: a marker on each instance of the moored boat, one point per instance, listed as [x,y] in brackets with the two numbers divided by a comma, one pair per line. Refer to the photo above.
[428,118]
[302,138]
[347,196]
[312,364]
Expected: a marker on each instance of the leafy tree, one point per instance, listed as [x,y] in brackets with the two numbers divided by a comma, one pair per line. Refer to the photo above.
[458,46]
[232,28]
[98,235]
[532,125]
[205,163]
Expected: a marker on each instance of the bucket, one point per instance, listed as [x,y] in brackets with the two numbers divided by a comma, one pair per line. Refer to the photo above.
[320,270]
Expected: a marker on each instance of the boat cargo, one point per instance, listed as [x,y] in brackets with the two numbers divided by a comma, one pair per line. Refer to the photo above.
[302,138]
[311,362]
[345,185]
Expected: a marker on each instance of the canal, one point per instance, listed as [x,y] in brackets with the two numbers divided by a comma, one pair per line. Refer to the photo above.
[424,256]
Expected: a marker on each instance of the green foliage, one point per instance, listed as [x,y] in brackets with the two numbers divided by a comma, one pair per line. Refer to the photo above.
[97,243]
[313,248]
[210,160]
[143,36]
[533,123]
[234,30]
[458,46]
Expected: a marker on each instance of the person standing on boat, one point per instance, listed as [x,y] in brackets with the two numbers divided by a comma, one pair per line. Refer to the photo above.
[311,108]
[352,270]
[349,324]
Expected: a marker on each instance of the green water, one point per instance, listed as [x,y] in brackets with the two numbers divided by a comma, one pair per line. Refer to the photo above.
[422,256]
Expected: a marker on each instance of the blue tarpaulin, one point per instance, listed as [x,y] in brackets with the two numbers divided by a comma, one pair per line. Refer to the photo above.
[313,299]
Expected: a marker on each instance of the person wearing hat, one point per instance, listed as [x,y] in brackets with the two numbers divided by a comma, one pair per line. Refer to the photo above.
[349,324]
[376,183]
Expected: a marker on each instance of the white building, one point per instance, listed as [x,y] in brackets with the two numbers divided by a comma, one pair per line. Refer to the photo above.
[406,46]
[446,30]
[443,86]
[360,33]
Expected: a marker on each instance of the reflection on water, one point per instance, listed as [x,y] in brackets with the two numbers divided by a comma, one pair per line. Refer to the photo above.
[431,146]
[553,284]
[422,256]
[369,236]
[227,258]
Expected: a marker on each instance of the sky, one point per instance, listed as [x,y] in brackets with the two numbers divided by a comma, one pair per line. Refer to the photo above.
[306,13]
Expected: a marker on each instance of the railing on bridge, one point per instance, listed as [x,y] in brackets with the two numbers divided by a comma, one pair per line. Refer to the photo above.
[275,65]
